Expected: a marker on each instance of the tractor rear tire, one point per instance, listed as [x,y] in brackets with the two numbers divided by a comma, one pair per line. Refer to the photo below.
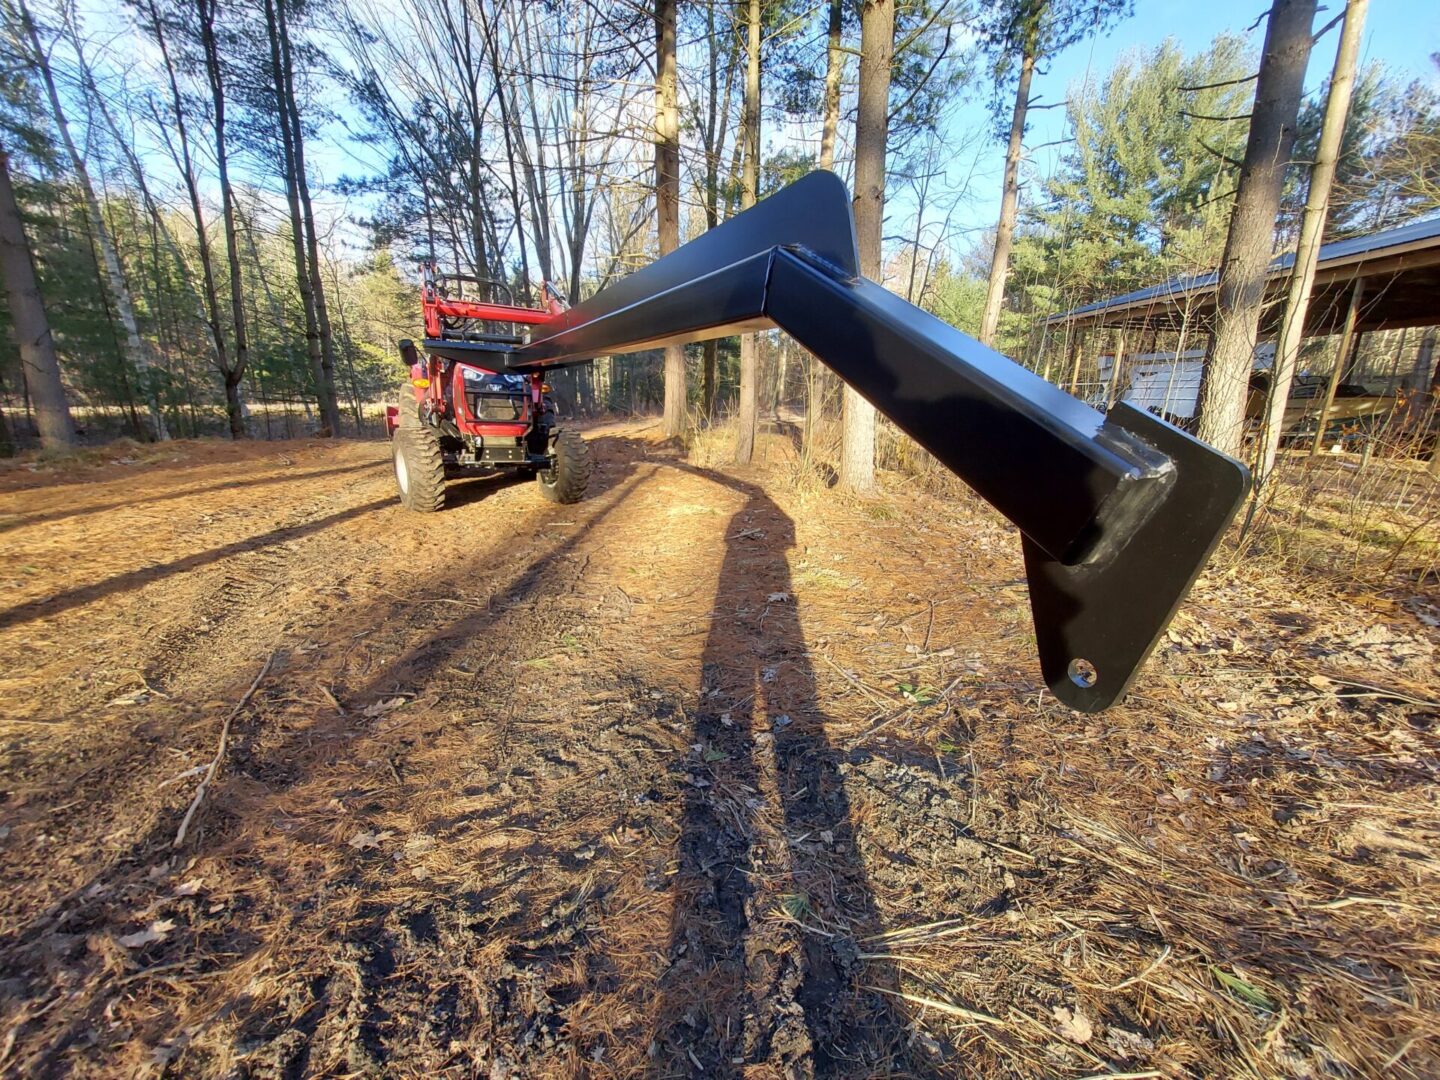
[566,481]
[419,468]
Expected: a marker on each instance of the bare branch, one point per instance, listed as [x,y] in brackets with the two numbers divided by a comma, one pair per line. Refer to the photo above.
[1217,85]
[1206,116]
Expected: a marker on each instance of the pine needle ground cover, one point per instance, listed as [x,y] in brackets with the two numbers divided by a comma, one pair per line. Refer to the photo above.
[714,773]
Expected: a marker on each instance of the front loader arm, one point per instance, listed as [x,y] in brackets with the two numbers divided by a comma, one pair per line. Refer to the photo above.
[1118,513]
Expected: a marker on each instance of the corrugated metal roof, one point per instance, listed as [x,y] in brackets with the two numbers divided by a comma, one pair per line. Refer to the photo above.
[1334,251]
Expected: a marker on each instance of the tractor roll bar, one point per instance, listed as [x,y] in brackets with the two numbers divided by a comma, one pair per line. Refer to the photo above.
[1118,513]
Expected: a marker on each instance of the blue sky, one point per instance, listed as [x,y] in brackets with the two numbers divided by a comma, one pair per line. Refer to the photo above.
[1401,34]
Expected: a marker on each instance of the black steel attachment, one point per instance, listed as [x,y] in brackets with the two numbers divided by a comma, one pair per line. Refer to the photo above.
[1118,513]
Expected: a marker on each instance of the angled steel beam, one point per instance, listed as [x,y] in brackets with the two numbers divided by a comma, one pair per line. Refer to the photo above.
[1118,514]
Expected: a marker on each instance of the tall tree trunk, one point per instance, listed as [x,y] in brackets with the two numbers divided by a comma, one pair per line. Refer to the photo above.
[749,188]
[1312,229]
[712,133]
[135,351]
[877,48]
[819,387]
[234,374]
[667,193]
[192,189]
[1010,194]
[290,113]
[297,233]
[1250,242]
[38,364]
[834,67]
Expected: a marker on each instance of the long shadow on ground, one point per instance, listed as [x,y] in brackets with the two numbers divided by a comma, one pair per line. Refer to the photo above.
[134,579]
[774,979]
[22,520]
[765,968]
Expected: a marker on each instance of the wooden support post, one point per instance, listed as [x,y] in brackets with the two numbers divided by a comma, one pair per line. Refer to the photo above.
[1117,366]
[1074,358]
[1342,361]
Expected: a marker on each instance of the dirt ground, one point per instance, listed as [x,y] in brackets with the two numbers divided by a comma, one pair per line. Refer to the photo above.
[712,774]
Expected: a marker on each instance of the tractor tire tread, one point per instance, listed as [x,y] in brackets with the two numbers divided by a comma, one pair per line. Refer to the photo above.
[425,467]
[567,482]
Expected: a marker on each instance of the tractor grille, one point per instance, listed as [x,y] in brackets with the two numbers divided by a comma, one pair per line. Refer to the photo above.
[498,408]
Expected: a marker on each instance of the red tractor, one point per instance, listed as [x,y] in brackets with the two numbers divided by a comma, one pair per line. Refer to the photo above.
[471,416]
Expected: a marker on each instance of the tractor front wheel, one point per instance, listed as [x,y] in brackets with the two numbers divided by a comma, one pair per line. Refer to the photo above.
[419,468]
[569,474]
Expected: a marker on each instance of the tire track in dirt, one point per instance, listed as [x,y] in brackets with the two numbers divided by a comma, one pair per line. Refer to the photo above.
[121,863]
[537,791]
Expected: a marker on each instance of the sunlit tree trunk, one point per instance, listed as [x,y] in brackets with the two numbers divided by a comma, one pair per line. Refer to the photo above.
[1249,245]
[821,381]
[1010,194]
[714,123]
[877,48]
[749,187]
[667,193]
[834,67]
[32,329]
[185,163]
[235,373]
[329,413]
[1312,229]
[290,113]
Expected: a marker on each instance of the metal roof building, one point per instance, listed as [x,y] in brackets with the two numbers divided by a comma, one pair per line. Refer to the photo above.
[1397,270]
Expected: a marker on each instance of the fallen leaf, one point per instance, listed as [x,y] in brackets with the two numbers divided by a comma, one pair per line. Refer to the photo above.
[364,840]
[156,931]
[380,708]
[189,888]
[1075,1026]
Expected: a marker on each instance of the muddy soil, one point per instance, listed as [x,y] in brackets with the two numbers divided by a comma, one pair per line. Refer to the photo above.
[712,774]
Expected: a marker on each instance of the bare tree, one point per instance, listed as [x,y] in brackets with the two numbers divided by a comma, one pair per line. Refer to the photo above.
[426,102]
[877,49]
[32,328]
[206,11]
[749,188]
[711,122]
[180,150]
[667,193]
[1027,31]
[1249,244]
[290,166]
[136,350]
[1010,190]
[290,110]
[1312,230]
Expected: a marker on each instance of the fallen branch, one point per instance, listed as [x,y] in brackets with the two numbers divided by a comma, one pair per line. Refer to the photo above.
[220,752]
[972,1015]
